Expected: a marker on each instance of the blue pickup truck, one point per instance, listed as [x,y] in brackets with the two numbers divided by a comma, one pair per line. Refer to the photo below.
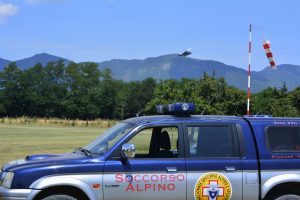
[177,156]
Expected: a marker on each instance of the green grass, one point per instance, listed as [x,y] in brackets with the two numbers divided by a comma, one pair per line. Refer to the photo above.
[18,141]
[101,123]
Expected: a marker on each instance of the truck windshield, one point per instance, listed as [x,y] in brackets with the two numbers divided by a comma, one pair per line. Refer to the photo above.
[109,138]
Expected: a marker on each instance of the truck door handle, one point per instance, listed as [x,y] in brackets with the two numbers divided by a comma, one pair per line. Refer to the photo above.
[230,169]
[171,169]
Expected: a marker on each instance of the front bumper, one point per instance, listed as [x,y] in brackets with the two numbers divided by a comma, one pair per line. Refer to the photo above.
[17,194]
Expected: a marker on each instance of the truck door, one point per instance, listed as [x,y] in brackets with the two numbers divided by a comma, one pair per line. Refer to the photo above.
[214,169]
[157,171]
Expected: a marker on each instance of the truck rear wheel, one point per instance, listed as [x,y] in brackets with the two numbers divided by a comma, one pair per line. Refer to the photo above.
[288,197]
[59,197]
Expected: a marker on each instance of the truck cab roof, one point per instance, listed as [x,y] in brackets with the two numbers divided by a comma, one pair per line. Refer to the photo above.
[174,118]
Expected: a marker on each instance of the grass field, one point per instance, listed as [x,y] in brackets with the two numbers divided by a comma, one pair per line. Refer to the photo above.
[18,141]
[101,123]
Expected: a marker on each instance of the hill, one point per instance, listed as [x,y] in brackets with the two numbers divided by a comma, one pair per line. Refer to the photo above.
[42,58]
[173,66]
[3,63]
[285,73]
[26,63]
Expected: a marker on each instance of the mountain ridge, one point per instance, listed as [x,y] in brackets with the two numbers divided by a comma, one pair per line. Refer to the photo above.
[26,63]
[172,66]
[3,62]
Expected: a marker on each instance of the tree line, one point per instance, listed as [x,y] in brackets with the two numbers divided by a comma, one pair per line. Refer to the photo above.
[82,91]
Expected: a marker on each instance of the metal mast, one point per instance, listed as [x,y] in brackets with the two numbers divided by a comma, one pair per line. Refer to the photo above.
[249,70]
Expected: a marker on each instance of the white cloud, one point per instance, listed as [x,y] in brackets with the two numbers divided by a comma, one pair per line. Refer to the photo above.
[7,10]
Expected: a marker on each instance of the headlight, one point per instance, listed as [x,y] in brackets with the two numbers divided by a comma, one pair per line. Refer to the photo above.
[7,179]
[1,177]
[16,162]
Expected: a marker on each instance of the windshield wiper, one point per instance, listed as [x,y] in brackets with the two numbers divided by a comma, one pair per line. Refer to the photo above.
[85,151]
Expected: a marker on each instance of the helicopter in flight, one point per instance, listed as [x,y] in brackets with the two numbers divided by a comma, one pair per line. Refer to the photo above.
[186,53]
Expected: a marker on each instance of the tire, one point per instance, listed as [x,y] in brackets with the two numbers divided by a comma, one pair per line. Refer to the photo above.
[288,197]
[59,197]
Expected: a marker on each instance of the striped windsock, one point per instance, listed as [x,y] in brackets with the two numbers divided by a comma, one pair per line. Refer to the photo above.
[269,54]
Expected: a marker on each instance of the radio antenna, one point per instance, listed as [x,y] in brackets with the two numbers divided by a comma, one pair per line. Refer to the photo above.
[208,105]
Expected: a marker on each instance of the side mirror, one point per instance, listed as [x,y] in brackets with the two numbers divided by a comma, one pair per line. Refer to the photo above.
[128,151]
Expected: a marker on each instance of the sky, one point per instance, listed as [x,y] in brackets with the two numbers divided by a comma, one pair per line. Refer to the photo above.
[101,30]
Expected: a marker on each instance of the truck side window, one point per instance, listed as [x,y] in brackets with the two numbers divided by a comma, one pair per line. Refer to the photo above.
[211,141]
[283,139]
[156,142]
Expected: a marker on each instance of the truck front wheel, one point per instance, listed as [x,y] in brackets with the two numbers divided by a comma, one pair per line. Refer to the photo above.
[288,197]
[59,197]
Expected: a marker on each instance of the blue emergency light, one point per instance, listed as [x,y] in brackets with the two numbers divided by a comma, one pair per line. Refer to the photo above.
[176,108]
[258,116]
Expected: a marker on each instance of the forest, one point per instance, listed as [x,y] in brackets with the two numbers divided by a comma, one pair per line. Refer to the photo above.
[83,91]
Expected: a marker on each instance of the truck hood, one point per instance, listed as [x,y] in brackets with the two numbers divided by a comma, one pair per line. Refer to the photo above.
[49,160]
[33,167]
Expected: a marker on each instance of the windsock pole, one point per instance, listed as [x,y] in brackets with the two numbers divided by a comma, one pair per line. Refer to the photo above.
[249,70]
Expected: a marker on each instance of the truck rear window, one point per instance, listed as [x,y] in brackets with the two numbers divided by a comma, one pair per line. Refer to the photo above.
[283,139]
[211,142]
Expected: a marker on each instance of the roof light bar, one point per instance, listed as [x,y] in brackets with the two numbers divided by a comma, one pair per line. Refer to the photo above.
[176,108]
[259,116]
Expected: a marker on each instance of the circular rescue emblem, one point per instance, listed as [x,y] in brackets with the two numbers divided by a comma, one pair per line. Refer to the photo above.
[213,186]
